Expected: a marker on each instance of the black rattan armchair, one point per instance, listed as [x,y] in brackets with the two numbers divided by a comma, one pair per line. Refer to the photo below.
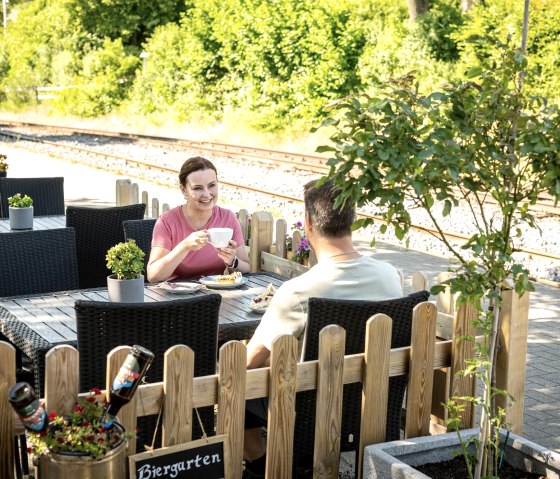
[97,230]
[47,194]
[38,261]
[157,326]
[141,231]
[352,316]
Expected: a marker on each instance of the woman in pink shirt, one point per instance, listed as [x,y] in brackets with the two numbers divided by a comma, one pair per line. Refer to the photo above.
[180,245]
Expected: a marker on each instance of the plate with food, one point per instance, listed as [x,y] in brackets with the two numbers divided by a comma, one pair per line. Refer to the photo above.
[224,281]
[260,303]
[180,287]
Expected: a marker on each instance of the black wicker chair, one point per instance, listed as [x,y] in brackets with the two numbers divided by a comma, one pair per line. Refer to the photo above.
[38,261]
[352,316]
[47,194]
[141,231]
[157,326]
[97,230]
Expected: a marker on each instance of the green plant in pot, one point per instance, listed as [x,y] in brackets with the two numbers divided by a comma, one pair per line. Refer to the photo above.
[3,164]
[447,152]
[79,443]
[20,212]
[126,262]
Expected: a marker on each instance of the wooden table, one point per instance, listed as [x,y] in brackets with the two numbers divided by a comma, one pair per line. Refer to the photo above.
[39,223]
[37,323]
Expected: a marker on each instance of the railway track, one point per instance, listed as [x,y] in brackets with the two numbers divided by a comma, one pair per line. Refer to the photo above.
[138,168]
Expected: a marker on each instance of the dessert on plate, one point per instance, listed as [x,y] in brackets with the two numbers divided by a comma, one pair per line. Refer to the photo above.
[232,278]
[260,303]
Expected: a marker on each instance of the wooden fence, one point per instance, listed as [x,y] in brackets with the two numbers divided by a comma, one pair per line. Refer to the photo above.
[229,389]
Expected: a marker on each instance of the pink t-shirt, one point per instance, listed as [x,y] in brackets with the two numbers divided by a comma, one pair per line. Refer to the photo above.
[171,228]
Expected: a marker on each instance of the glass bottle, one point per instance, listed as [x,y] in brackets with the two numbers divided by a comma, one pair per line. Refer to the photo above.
[126,381]
[28,407]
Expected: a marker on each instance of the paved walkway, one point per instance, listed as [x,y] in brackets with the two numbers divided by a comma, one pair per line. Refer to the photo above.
[85,185]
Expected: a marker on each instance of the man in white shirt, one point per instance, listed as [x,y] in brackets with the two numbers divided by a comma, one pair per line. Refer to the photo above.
[340,273]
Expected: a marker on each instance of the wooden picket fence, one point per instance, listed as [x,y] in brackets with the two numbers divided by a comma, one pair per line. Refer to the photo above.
[180,391]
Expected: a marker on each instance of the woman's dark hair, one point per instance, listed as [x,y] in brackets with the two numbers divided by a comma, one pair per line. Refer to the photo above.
[195,164]
[319,205]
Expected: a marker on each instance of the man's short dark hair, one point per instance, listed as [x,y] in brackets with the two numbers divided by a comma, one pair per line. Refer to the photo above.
[319,206]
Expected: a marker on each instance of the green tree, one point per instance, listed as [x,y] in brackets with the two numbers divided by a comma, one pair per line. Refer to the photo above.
[484,137]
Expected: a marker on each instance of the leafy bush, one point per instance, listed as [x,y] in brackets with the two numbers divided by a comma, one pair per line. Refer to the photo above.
[18,201]
[126,260]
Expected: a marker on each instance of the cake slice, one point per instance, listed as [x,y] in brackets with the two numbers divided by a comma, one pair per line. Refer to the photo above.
[232,278]
[261,302]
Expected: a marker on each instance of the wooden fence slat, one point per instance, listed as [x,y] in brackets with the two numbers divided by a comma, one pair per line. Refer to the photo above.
[61,379]
[330,375]
[245,222]
[421,373]
[462,350]
[178,373]
[231,401]
[127,414]
[377,353]
[281,408]
[419,281]
[261,237]
[511,362]
[7,380]
[281,232]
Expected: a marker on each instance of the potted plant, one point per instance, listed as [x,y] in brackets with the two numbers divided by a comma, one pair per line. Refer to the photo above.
[126,261]
[20,212]
[484,138]
[79,445]
[3,165]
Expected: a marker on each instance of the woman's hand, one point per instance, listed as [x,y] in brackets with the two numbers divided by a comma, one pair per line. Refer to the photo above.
[196,240]
[228,254]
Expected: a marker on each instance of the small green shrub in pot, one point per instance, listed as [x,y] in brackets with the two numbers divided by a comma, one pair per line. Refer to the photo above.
[126,260]
[3,162]
[17,201]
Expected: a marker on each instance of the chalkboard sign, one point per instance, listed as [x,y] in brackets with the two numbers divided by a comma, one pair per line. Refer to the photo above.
[205,459]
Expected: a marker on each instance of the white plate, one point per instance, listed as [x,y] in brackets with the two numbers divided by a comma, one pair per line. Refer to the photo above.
[180,287]
[257,310]
[212,282]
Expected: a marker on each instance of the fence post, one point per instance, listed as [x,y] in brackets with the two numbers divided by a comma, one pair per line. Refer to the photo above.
[330,376]
[261,237]
[7,379]
[155,208]
[127,414]
[231,401]
[281,232]
[460,351]
[178,374]
[244,221]
[512,354]
[61,379]
[281,407]
[377,357]
[421,370]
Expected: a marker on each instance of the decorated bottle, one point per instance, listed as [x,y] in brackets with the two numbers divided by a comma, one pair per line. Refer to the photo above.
[126,381]
[28,407]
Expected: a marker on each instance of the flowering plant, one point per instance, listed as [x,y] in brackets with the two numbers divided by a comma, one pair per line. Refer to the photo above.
[81,432]
[302,252]
[18,201]
[297,226]
[3,162]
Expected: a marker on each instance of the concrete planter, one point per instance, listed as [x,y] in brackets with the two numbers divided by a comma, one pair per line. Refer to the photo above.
[396,459]
[125,290]
[21,218]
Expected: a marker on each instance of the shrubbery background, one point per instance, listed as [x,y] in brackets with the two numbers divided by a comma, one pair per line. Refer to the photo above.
[271,64]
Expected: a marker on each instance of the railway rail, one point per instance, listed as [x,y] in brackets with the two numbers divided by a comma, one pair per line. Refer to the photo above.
[308,163]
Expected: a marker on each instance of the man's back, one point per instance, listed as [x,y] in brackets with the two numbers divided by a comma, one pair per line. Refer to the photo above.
[361,278]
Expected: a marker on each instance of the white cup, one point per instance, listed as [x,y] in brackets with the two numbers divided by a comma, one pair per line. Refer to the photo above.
[220,237]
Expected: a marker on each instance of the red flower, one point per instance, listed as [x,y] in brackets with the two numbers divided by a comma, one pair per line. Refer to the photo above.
[85,423]
[95,390]
[90,399]
[79,409]
[52,415]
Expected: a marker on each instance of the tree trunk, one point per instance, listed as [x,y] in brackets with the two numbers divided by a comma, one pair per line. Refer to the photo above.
[416,7]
